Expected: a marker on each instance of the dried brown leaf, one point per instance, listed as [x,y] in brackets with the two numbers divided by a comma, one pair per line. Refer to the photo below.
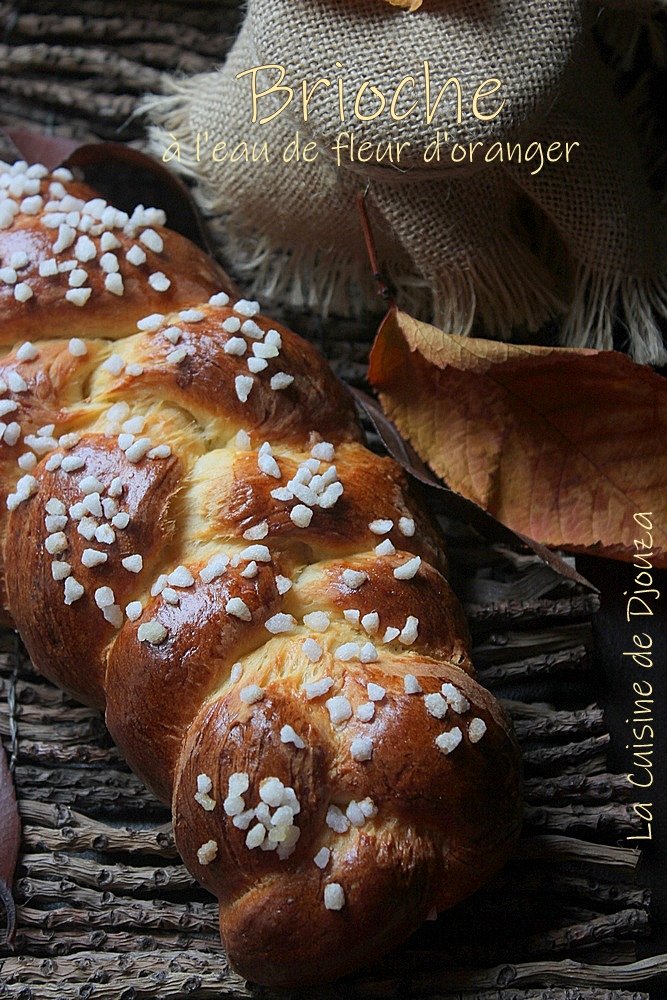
[10,838]
[408,5]
[563,446]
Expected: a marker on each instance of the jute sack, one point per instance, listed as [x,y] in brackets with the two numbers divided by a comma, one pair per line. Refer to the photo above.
[496,249]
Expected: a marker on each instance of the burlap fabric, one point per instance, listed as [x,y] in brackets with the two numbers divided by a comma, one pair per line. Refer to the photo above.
[491,248]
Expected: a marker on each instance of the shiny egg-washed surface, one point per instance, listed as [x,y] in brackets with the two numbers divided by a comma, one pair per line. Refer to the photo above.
[198,542]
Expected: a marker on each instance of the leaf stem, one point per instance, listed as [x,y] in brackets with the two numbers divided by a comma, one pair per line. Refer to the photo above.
[385,289]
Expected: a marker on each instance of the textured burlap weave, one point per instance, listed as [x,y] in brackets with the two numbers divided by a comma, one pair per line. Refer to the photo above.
[493,249]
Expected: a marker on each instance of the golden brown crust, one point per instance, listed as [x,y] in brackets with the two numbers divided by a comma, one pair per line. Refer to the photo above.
[198,540]
[443,824]
[192,276]
[59,638]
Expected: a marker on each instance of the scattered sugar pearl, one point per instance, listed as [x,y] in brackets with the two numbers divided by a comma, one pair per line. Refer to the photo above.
[239,783]
[476,730]
[60,570]
[233,805]
[27,461]
[243,385]
[409,631]
[361,748]
[73,590]
[371,622]
[12,433]
[90,484]
[135,255]
[93,557]
[301,516]
[77,347]
[258,552]
[215,567]
[55,506]
[114,615]
[251,694]
[48,268]
[180,354]
[207,853]
[104,597]
[347,651]
[16,382]
[236,346]
[318,621]
[353,578]
[324,451]
[114,364]
[322,857]
[446,742]
[133,563]
[267,464]
[232,324]
[22,292]
[181,577]
[381,526]
[109,263]
[251,571]
[289,735]
[336,820]
[138,450]
[79,297]
[315,689]
[235,674]
[408,570]
[71,463]
[271,791]
[375,692]
[152,632]
[27,352]
[173,334]
[435,705]
[245,307]
[152,240]
[85,249]
[312,649]
[406,526]
[108,242]
[455,699]
[280,623]
[255,836]
[366,711]
[256,531]
[151,322]
[55,543]
[238,608]
[334,896]
[159,281]
[114,284]
[385,548]
[281,380]
[339,709]
[411,685]
[133,610]
[219,299]
[368,653]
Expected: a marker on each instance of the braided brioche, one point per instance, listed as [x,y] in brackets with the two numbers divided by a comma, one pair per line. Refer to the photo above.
[198,542]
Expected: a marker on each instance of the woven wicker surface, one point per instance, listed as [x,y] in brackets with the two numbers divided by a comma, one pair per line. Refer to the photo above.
[105,907]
